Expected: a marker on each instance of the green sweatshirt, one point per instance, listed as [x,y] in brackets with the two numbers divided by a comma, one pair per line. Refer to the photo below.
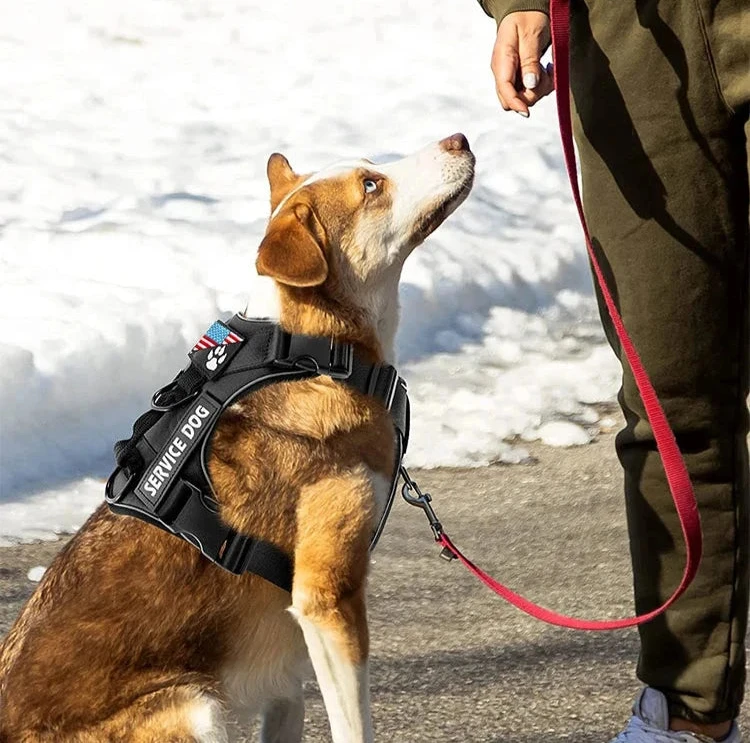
[498,9]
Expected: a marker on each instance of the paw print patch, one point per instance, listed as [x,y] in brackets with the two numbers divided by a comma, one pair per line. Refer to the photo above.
[216,357]
[214,350]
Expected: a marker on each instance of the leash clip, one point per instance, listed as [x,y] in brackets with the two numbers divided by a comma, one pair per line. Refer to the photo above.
[423,501]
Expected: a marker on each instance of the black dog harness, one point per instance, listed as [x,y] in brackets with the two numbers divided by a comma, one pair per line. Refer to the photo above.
[162,475]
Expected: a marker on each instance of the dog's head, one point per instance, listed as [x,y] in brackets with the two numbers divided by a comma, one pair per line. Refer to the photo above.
[337,239]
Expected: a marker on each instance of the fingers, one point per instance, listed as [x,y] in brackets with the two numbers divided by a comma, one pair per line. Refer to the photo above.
[544,84]
[531,67]
[520,79]
[505,66]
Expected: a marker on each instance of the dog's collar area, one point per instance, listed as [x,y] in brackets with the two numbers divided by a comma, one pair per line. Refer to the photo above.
[323,356]
[162,475]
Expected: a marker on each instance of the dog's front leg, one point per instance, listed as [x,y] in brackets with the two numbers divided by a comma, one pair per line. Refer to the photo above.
[328,598]
[342,674]
[284,719]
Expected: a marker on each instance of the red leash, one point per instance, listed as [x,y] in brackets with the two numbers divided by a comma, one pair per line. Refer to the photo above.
[674,466]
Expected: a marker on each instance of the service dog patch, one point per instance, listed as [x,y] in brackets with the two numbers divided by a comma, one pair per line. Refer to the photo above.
[166,465]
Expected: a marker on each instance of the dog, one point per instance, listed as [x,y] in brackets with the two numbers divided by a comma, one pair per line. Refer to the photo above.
[132,635]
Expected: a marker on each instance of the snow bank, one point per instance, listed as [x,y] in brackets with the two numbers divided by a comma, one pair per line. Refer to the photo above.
[134,197]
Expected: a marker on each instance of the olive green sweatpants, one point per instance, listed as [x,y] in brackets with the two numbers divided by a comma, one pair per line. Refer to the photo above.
[661,89]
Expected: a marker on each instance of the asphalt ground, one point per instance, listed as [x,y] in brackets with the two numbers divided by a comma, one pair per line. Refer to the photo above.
[449,660]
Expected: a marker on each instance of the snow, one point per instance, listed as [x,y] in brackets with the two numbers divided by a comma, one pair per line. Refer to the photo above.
[563,434]
[43,515]
[35,574]
[134,143]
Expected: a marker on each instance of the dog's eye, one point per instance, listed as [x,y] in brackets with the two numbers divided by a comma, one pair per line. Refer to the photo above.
[370,185]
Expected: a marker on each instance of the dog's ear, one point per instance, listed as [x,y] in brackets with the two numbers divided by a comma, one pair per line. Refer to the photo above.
[292,250]
[281,178]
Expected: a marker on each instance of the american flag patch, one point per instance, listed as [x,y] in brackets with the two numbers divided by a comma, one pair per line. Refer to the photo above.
[217,334]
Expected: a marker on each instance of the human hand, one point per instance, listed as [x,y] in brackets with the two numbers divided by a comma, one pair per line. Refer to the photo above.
[520,79]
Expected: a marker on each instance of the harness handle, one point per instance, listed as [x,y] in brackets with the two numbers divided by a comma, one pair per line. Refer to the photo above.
[677,476]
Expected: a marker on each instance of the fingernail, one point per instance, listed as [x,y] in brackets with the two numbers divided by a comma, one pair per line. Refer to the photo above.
[525,114]
[530,81]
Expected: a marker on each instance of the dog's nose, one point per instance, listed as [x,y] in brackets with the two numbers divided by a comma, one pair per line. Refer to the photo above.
[455,142]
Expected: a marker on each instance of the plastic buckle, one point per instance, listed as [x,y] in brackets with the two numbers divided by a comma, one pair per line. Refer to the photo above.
[171,504]
[383,384]
[193,515]
[321,356]
[341,361]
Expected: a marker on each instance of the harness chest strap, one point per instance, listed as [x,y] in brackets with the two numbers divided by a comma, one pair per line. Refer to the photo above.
[162,474]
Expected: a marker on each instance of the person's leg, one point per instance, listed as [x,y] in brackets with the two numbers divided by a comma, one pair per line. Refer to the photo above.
[665,182]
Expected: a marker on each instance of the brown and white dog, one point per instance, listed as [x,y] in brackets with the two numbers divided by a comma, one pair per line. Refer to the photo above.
[132,635]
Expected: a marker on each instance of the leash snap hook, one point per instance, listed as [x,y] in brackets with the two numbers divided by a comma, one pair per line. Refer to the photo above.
[423,501]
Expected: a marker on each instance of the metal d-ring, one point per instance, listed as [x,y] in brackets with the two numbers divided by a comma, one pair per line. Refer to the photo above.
[156,406]
[296,362]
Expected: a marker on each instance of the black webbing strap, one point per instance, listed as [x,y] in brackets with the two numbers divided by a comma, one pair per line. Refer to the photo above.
[126,454]
[165,399]
[194,516]
[185,506]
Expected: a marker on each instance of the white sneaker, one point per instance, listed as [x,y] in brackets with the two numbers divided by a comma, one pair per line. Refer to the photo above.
[650,722]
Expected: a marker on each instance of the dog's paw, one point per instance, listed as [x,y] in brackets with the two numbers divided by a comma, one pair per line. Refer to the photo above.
[215,357]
